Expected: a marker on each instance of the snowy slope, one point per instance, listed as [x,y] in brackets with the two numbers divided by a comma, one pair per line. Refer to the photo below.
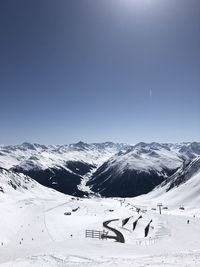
[35,232]
[12,183]
[145,159]
[110,169]
[182,188]
[17,185]
[183,174]
[30,156]
[35,156]
[66,168]
[139,169]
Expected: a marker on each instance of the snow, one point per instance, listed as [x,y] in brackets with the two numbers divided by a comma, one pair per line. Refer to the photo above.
[35,231]
[140,157]
[187,194]
[30,156]
[172,240]
[146,160]
[35,217]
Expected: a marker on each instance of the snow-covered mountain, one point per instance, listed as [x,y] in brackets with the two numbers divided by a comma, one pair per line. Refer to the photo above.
[35,230]
[182,188]
[110,169]
[183,174]
[139,169]
[62,167]
[34,156]
[14,185]
[11,182]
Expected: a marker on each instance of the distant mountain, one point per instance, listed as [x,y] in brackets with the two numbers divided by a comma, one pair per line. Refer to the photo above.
[35,156]
[62,167]
[108,169]
[139,169]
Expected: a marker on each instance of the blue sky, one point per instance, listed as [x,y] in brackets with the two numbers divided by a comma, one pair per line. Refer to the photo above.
[124,71]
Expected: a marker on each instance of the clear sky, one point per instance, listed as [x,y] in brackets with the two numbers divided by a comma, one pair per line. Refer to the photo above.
[99,70]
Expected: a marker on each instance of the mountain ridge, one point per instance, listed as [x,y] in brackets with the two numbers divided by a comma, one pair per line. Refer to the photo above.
[108,168]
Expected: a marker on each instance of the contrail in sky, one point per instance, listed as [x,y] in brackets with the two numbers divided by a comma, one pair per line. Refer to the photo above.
[150,93]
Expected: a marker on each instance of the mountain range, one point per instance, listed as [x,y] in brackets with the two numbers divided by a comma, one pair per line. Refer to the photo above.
[106,169]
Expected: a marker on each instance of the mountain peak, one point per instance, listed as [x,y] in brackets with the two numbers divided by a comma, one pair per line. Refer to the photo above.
[28,145]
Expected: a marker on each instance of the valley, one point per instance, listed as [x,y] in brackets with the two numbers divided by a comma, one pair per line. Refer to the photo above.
[43,226]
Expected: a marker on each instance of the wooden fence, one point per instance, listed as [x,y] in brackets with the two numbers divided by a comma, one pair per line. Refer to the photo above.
[93,234]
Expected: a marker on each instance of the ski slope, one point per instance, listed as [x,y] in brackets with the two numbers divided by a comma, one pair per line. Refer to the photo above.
[186,194]
[35,232]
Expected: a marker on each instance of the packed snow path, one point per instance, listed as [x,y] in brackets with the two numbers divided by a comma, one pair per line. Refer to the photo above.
[119,237]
